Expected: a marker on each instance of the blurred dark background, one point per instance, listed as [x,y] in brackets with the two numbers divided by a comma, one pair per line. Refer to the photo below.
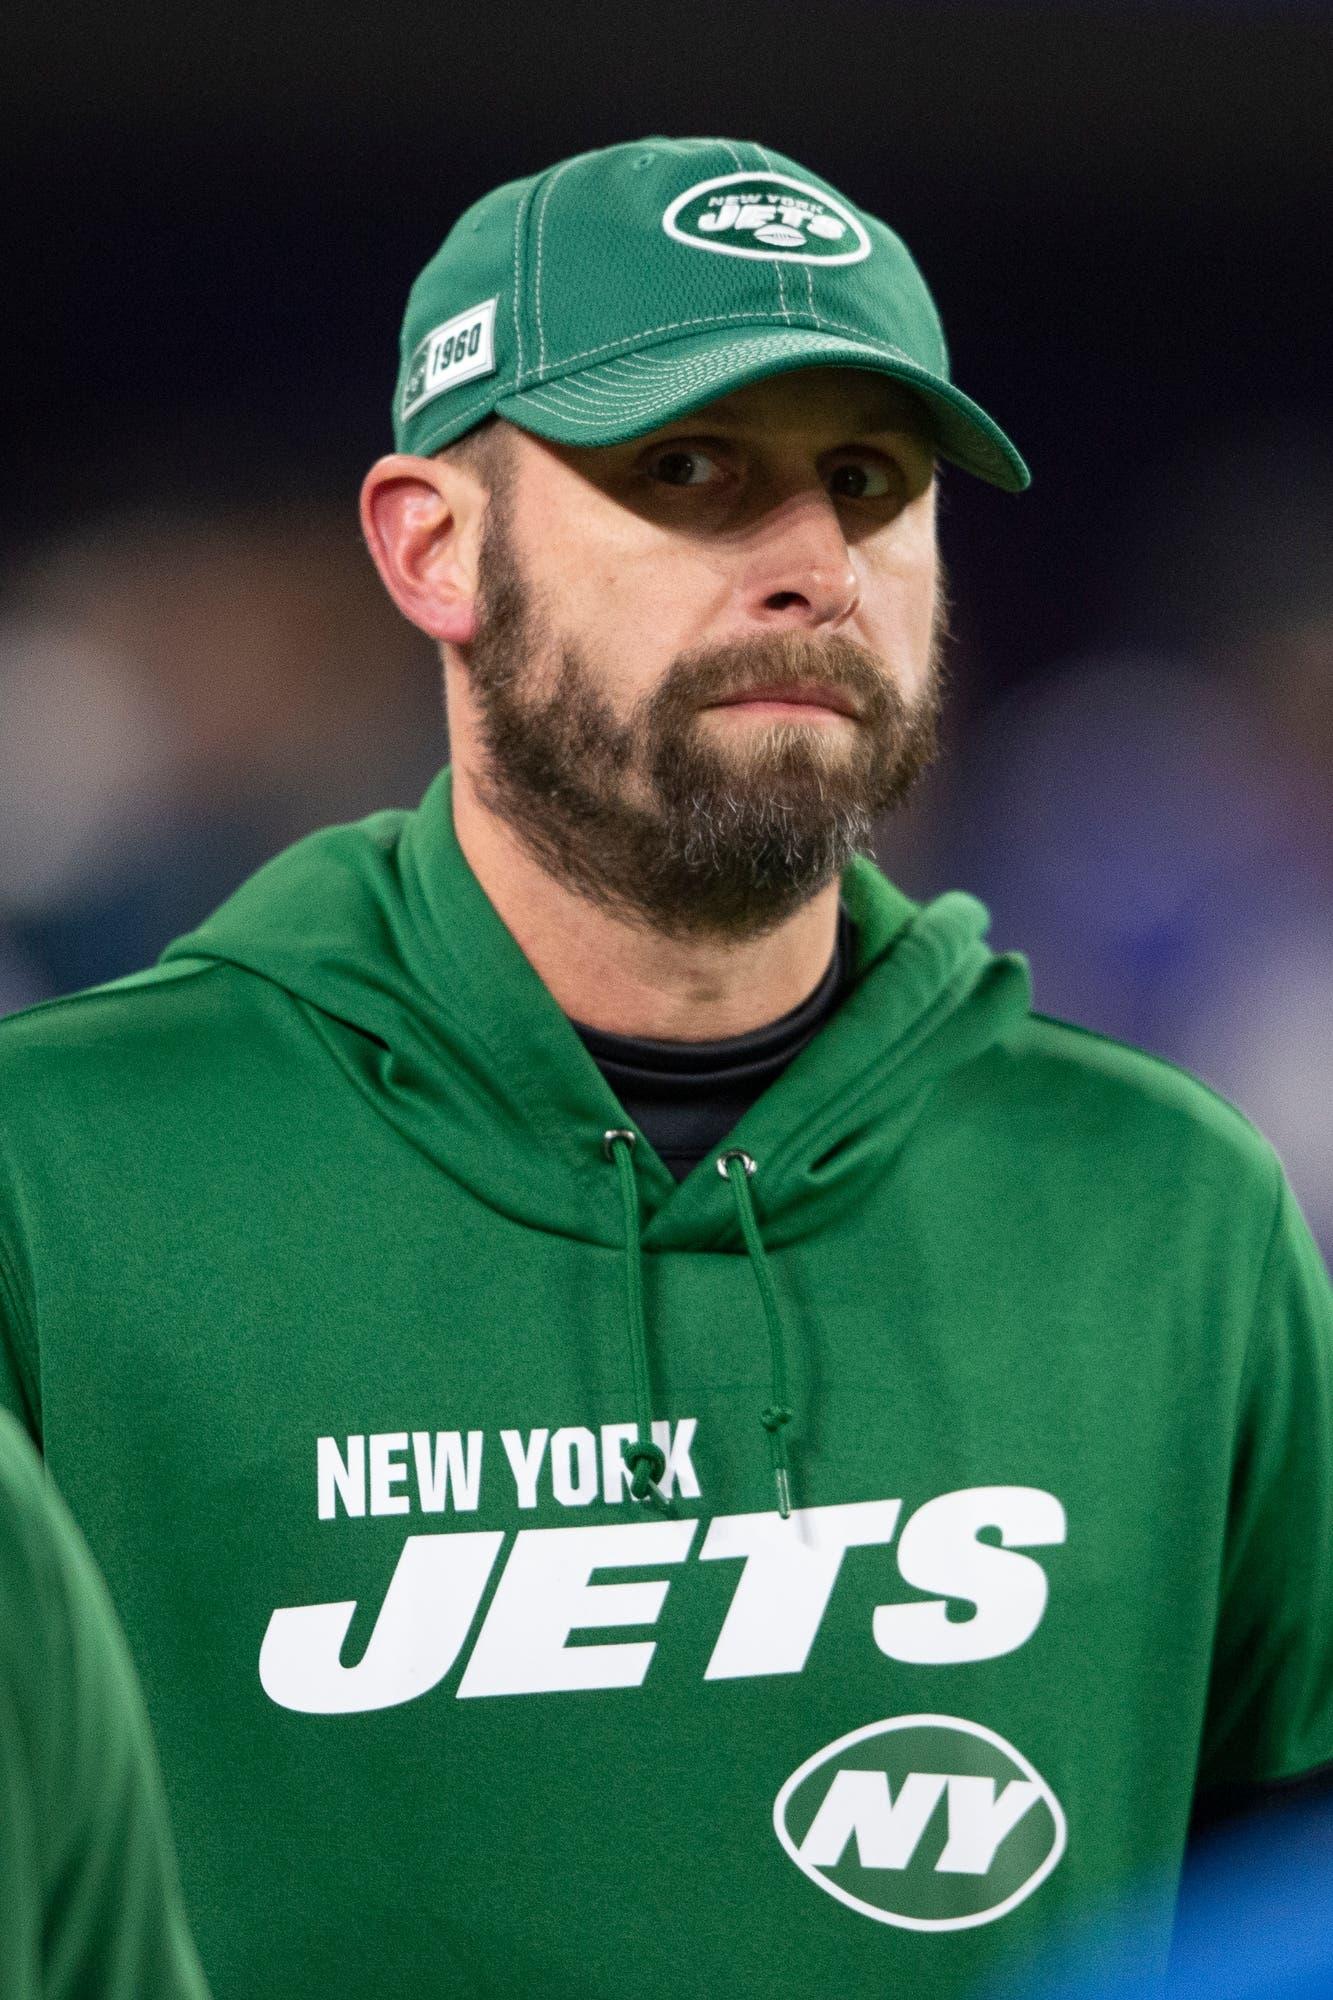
[211,220]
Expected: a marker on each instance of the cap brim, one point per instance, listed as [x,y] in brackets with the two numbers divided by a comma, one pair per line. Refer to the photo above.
[634,393]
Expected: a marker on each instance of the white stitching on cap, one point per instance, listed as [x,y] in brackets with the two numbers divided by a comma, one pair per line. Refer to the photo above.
[627,402]
[682,373]
[571,385]
[518,251]
[810,293]
[680,365]
[697,372]
[541,230]
[653,364]
[623,400]
[669,326]
[725,319]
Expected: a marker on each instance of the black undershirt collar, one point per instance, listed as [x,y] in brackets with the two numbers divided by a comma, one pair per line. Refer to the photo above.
[686,1096]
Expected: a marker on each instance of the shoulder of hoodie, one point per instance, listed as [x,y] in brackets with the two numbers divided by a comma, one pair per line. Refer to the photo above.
[120,1021]
[123,1028]
[1103,1096]
[139,1038]
[132,1041]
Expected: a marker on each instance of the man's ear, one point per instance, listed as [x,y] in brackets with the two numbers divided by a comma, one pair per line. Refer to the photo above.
[422,520]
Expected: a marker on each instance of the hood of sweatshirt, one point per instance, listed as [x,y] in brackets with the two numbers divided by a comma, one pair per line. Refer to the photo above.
[382,932]
[429,1006]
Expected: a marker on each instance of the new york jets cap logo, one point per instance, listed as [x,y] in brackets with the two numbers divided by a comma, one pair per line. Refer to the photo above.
[924,1821]
[767,215]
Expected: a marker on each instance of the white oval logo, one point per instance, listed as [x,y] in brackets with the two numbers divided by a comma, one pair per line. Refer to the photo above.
[924,1821]
[769,216]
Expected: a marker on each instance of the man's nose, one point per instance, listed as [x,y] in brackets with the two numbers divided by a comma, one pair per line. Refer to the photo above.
[799,571]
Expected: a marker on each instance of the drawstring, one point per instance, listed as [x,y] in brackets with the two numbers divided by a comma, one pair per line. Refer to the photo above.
[776,1415]
[645,1460]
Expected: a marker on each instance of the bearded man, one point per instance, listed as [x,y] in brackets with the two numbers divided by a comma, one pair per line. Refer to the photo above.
[651,1423]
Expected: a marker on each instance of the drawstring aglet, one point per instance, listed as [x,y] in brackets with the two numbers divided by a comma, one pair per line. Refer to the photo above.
[777,1416]
[775,1420]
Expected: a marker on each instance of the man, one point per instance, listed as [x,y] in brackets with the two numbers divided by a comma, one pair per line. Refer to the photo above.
[649,1421]
[89,1898]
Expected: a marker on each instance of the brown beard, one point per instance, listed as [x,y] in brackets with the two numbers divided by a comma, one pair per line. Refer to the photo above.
[652,819]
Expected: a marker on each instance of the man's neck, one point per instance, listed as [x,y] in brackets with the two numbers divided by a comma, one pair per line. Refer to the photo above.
[627,981]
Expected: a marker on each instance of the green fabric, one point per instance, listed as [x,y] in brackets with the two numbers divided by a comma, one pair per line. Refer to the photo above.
[441,1709]
[90,1904]
[622,288]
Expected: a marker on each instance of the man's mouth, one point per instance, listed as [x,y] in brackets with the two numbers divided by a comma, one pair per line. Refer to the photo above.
[787,695]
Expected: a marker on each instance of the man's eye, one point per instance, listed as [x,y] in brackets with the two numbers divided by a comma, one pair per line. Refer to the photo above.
[678,467]
[859,479]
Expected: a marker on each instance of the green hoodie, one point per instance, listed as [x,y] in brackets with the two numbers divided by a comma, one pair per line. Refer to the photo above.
[339,1317]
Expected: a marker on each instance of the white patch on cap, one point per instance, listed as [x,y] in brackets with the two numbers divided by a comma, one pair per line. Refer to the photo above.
[770,216]
[458,351]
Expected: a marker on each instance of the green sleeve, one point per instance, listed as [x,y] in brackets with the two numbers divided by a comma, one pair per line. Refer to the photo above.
[91,1907]
[1270,1712]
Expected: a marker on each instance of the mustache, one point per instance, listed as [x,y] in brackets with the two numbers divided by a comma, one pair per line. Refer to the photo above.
[708,674]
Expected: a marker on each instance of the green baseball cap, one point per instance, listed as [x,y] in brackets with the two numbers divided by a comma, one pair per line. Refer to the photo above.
[622,288]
